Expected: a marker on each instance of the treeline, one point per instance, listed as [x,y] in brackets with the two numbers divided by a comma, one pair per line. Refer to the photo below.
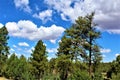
[78,57]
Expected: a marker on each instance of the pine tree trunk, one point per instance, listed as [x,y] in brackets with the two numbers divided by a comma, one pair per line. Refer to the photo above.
[90,52]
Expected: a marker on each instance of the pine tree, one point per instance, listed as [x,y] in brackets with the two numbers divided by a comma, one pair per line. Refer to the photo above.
[64,58]
[65,47]
[11,67]
[83,35]
[39,60]
[18,68]
[4,49]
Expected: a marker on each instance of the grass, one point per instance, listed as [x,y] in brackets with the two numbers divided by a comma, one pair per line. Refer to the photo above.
[2,78]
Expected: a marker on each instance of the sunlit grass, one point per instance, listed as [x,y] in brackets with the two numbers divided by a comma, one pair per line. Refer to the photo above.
[2,78]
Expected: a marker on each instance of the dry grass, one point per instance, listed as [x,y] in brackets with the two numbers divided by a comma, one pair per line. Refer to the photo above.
[2,78]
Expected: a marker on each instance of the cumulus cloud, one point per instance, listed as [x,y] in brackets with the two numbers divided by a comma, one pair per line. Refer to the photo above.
[27,29]
[1,25]
[79,8]
[23,44]
[107,12]
[44,15]
[23,5]
[105,50]
[107,15]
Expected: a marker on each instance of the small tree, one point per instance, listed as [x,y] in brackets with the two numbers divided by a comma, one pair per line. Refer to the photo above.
[11,67]
[65,57]
[39,60]
[52,67]
[18,68]
[64,66]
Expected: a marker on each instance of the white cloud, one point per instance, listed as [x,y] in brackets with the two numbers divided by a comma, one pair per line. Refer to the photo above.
[1,25]
[14,46]
[30,50]
[23,5]
[117,54]
[63,16]
[105,50]
[53,41]
[64,7]
[106,16]
[23,44]
[45,44]
[59,41]
[11,49]
[27,29]
[52,50]
[114,31]
[44,15]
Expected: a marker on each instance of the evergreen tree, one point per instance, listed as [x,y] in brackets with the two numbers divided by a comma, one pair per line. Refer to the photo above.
[18,68]
[4,49]
[24,69]
[52,67]
[65,47]
[11,67]
[64,66]
[65,57]
[39,60]
[83,35]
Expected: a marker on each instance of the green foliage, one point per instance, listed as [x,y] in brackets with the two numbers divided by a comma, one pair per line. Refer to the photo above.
[39,60]
[116,77]
[97,76]
[52,65]
[77,50]
[64,66]
[82,66]
[18,68]
[65,47]
[96,58]
[11,66]
[79,42]
[4,49]
[51,77]
[80,75]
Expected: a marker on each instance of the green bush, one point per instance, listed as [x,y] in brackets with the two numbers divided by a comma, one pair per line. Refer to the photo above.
[51,77]
[79,75]
[98,76]
[116,77]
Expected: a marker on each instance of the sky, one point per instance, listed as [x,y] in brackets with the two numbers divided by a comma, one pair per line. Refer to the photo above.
[28,21]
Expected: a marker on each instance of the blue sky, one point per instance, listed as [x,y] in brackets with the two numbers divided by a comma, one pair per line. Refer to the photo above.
[30,20]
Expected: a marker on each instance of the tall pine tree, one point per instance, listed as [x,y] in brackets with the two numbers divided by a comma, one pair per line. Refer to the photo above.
[83,35]
[4,49]
[39,60]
